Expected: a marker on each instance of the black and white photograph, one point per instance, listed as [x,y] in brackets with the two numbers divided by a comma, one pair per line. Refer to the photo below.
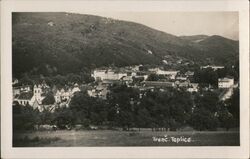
[121,78]
[125,79]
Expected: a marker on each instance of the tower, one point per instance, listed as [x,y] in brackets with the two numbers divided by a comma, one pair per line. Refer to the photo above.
[37,93]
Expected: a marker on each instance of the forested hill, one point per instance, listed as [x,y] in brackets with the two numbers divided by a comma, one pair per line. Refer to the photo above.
[51,43]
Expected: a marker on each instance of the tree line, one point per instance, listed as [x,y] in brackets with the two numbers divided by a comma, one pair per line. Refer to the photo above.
[128,108]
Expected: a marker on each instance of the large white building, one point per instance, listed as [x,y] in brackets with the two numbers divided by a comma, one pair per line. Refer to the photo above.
[171,74]
[107,75]
[225,82]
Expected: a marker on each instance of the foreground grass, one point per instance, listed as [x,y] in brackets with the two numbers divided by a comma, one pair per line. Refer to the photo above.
[64,138]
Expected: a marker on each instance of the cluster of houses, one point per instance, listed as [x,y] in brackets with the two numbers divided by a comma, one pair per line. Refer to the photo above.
[35,95]
[172,78]
[106,77]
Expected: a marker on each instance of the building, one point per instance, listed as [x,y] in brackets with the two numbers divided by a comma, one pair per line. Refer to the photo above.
[14,81]
[158,84]
[193,87]
[25,98]
[213,67]
[127,79]
[100,91]
[181,78]
[65,94]
[170,74]
[75,89]
[225,82]
[20,89]
[107,75]
[189,73]
[182,83]
[136,67]
[38,93]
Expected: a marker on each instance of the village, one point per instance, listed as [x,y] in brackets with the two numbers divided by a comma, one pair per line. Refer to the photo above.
[155,78]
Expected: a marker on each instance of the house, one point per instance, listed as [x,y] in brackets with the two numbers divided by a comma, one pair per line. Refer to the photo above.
[193,87]
[189,73]
[100,91]
[182,83]
[14,81]
[66,93]
[25,98]
[127,79]
[19,89]
[213,67]
[225,82]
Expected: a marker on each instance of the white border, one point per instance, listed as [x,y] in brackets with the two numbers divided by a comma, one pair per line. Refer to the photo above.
[9,6]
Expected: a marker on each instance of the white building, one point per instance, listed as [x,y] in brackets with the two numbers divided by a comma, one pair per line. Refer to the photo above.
[225,82]
[212,66]
[182,78]
[171,74]
[107,75]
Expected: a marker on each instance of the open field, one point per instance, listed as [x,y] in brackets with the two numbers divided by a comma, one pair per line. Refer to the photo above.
[64,138]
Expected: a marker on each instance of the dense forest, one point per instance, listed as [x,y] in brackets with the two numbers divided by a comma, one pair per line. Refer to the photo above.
[62,43]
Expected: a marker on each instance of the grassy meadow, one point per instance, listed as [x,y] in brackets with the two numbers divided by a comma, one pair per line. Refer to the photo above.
[68,138]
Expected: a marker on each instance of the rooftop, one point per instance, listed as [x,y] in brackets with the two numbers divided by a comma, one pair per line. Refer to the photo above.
[25,95]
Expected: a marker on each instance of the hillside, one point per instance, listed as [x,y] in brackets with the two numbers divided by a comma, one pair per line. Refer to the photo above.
[65,42]
[194,38]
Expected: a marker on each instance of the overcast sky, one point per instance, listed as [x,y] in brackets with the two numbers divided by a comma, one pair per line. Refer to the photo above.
[183,23]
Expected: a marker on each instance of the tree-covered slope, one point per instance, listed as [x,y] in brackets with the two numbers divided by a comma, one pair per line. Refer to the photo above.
[50,43]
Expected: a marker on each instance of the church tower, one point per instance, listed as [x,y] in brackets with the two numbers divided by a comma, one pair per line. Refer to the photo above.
[37,93]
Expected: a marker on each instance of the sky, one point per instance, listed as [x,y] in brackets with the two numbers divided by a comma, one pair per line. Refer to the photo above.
[183,23]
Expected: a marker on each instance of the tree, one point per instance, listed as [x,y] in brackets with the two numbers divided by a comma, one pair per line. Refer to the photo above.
[234,106]
[49,99]
[123,100]
[207,76]
[64,116]
[208,100]
[24,117]
[88,110]
[143,118]
[203,119]
[153,77]
[226,118]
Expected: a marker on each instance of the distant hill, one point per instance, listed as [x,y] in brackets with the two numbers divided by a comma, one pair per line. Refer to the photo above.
[67,42]
[194,38]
